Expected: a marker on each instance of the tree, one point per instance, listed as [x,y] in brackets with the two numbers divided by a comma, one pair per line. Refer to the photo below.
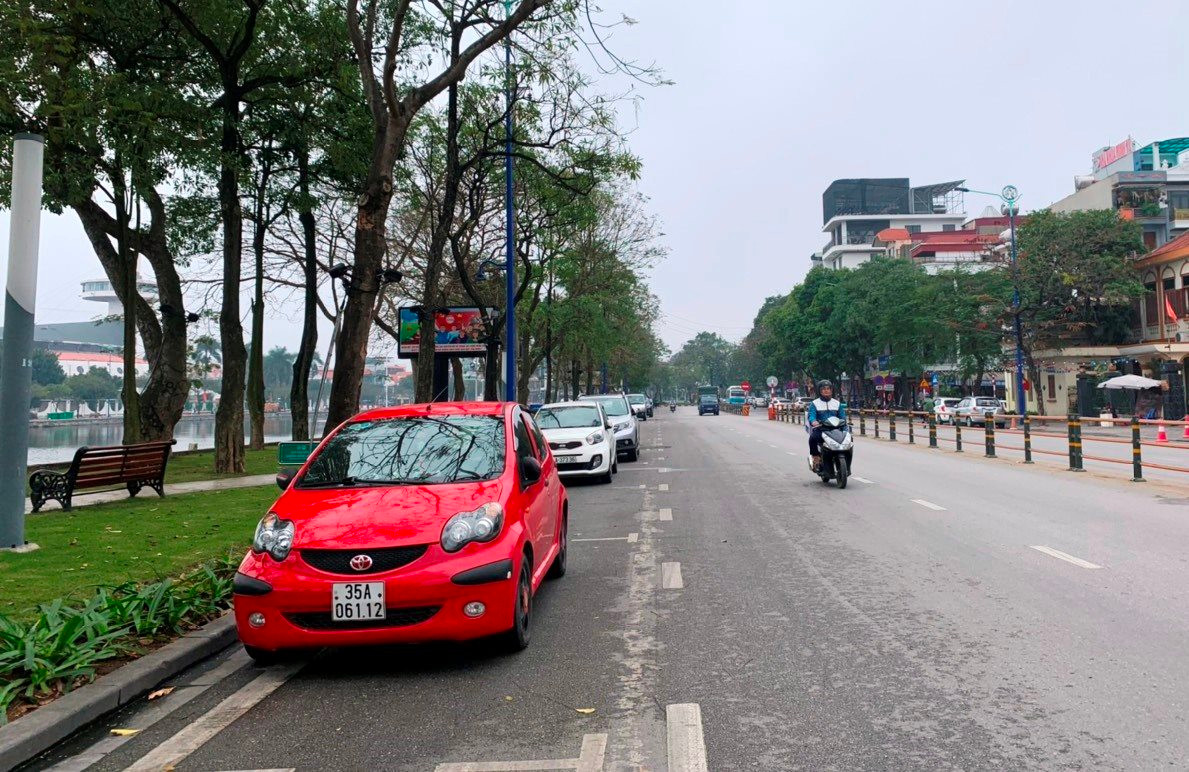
[95,385]
[414,34]
[46,370]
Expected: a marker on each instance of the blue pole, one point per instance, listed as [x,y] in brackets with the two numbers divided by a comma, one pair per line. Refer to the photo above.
[510,225]
[1021,397]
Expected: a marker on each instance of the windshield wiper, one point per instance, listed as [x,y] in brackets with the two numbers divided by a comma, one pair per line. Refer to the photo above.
[351,480]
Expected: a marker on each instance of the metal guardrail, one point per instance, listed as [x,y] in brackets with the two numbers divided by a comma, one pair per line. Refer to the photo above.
[869,421]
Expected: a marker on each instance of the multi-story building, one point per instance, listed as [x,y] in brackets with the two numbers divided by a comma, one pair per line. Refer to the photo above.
[855,211]
[978,245]
[1148,184]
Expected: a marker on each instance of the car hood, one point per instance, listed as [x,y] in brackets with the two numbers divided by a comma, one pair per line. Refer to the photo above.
[343,518]
[569,435]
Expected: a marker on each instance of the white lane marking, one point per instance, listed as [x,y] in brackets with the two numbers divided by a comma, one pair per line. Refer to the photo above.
[633,538]
[929,505]
[663,469]
[665,514]
[594,748]
[218,718]
[606,538]
[671,576]
[687,747]
[1064,556]
[155,711]
[660,458]
[861,479]
[663,487]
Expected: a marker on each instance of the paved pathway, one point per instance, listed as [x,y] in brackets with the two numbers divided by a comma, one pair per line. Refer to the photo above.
[171,489]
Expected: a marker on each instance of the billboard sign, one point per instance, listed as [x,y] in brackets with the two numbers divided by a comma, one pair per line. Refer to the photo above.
[1109,155]
[457,332]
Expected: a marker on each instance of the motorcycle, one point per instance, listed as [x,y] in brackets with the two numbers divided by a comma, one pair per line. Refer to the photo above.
[837,451]
[672,407]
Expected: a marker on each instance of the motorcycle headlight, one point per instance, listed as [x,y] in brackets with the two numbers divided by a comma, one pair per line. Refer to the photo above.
[274,536]
[479,525]
[594,438]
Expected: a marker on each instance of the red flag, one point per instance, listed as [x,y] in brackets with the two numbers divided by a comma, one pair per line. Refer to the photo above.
[1172,315]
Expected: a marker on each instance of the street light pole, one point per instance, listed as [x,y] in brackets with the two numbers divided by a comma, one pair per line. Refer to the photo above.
[510,228]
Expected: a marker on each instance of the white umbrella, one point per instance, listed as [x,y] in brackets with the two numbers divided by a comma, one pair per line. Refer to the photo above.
[1130,382]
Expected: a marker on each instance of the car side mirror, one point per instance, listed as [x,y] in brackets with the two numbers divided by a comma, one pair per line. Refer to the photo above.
[607,424]
[530,470]
[284,477]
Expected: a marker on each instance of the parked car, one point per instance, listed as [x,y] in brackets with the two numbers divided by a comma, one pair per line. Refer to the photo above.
[639,405]
[579,434]
[759,401]
[782,402]
[623,424]
[707,403]
[943,408]
[972,411]
[407,524]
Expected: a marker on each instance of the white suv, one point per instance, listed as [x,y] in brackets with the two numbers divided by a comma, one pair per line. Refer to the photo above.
[580,437]
[943,409]
[619,413]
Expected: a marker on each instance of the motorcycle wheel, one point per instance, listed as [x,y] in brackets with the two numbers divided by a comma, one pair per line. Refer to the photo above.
[843,472]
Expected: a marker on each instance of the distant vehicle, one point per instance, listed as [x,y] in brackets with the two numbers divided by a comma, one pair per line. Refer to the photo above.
[801,403]
[943,408]
[707,403]
[651,405]
[782,402]
[759,401]
[623,424]
[972,411]
[579,434]
[639,404]
[736,395]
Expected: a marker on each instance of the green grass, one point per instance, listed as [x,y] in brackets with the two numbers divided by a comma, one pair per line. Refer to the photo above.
[201,465]
[142,539]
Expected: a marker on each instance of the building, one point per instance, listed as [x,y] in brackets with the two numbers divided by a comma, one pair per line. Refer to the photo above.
[101,291]
[1149,184]
[855,211]
[980,244]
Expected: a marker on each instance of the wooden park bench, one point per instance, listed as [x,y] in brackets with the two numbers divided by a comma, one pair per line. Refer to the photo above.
[133,466]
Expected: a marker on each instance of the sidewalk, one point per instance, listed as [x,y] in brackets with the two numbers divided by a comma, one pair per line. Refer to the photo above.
[120,494]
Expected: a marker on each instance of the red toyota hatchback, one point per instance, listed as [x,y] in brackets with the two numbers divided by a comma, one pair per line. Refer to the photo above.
[409,524]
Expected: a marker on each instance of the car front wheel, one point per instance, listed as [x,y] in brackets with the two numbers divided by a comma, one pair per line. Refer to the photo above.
[517,639]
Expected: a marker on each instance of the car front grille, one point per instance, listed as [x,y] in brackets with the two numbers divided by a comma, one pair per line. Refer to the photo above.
[565,445]
[395,617]
[383,559]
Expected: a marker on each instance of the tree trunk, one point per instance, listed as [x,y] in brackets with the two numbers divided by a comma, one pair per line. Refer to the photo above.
[460,384]
[575,378]
[299,391]
[589,375]
[491,371]
[123,205]
[256,355]
[229,417]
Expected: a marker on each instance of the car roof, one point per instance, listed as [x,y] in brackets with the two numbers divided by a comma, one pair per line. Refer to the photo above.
[435,408]
[571,403]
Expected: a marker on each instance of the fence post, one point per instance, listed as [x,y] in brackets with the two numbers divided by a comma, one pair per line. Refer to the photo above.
[932,429]
[911,421]
[1027,439]
[892,425]
[862,423]
[875,417]
[957,436]
[1075,443]
[1137,464]
[989,433]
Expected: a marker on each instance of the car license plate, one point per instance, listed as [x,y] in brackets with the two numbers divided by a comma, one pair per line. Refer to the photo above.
[357,600]
[566,459]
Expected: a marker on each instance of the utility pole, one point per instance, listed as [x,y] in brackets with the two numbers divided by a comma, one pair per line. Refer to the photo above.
[16,367]
[510,227]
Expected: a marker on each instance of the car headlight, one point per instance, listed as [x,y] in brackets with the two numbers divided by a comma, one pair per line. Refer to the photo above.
[622,426]
[274,536]
[594,438]
[479,525]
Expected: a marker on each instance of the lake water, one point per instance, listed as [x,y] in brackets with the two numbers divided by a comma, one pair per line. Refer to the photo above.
[50,444]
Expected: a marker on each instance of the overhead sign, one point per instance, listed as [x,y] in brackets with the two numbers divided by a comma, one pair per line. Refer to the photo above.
[1108,155]
[457,331]
[772,381]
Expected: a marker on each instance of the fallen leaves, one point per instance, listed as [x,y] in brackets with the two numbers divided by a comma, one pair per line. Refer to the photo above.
[160,692]
[124,732]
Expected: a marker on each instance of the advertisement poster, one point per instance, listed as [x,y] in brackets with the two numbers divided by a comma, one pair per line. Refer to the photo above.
[457,331]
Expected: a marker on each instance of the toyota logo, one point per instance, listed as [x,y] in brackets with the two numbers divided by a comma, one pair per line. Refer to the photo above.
[361,562]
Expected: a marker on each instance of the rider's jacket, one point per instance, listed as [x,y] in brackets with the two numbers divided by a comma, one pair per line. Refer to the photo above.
[821,409]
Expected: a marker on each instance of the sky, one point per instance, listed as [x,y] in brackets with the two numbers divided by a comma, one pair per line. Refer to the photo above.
[774,99]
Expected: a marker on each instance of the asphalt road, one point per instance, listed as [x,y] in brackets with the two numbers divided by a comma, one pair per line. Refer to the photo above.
[942,612]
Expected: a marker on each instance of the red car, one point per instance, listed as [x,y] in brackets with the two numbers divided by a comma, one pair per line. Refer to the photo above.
[407,524]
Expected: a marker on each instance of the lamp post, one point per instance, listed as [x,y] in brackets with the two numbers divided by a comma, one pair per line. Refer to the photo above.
[510,227]
[1010,195]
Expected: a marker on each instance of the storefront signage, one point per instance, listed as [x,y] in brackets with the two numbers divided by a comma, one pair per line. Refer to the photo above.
[1107,156]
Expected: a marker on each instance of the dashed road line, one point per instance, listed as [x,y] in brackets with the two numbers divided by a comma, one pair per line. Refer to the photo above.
[605,538]
[929,505]
[174,750]
[1064,556]
[665,514]
[633,538]
[590,759]
[663,487]
[671,576]
[687,746]
[861,479]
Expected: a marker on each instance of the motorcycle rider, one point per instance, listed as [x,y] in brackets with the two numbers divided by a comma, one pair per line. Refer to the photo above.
[821,408]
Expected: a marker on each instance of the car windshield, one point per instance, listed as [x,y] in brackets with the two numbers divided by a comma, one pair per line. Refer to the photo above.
[709,398]
[613,406]
[410,450]
[576,417]
[636,399]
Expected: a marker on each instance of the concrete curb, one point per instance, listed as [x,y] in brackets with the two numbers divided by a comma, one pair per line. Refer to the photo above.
[36,732]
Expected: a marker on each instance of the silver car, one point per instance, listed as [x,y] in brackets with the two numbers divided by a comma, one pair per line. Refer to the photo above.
[623,424]
[972,411]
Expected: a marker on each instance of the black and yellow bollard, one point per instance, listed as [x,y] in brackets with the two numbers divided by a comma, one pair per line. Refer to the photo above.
[875,417]
[911,435]
[989,433]
[1027,439]
[1075,443]
[892,425]
[862,423]
[957,436]
[932,430]
[1137,463]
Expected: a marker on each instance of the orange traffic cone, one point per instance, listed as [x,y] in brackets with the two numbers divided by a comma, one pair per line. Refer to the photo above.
[1160,435]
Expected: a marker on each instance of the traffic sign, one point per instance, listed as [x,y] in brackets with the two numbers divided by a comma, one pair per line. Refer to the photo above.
[772,381]
[746,385]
